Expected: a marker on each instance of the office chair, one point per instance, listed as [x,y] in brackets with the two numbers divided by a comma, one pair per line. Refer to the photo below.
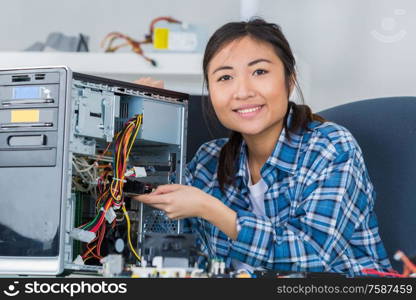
[385,129]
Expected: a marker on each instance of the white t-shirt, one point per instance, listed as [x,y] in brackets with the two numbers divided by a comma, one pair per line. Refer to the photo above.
[256,196]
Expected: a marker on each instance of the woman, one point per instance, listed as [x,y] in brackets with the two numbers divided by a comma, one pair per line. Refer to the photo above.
[287,190]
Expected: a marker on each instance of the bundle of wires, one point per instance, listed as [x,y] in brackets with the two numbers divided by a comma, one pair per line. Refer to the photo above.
[87,179]
[111,196]
[87,172]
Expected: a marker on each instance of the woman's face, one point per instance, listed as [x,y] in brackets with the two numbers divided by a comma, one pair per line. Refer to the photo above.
[247,87]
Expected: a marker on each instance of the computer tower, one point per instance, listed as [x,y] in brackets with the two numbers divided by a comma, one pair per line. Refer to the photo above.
[58,131]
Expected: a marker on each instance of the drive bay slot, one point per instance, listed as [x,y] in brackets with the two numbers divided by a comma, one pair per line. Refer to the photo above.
[20,78]
[27,140]
[24,125]
[27,102]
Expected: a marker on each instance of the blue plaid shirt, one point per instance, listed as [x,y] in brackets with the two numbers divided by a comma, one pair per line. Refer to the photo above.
[319,206]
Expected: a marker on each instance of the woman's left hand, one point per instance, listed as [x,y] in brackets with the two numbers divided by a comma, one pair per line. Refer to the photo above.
[149,81]
[177,201]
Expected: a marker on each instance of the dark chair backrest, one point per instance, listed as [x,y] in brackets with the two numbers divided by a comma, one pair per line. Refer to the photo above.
[385,129]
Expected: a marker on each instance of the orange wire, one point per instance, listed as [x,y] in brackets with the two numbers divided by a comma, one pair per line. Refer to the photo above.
[100,198]
[103,166]
[88,251]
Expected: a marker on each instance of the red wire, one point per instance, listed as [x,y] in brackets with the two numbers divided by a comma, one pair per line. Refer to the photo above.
[375,272]
[97,226]
[100,240]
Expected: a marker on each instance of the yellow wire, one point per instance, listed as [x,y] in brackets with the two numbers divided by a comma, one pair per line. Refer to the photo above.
[116,166]
[139,124]
[118,152]
[111,190]
[129,233]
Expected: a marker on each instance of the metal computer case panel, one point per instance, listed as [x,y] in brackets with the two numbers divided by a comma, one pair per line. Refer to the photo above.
[33,184]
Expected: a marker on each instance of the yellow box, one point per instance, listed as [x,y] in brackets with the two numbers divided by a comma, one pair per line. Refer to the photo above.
[160,38]
[24,115]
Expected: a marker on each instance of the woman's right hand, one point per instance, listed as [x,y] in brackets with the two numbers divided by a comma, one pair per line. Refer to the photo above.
[149,81]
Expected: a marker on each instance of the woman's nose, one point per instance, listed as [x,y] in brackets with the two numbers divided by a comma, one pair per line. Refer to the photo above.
[243,89]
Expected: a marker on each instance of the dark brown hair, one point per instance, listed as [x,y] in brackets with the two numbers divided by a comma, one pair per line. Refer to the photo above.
[264,32]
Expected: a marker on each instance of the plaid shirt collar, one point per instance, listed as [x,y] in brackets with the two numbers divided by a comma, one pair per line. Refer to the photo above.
[283,156]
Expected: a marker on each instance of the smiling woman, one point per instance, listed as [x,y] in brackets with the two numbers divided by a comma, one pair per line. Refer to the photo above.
[288,190]
[248,91]
[248,94]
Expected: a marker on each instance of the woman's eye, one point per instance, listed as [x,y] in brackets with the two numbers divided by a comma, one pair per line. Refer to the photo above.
[224,77]
[260,72]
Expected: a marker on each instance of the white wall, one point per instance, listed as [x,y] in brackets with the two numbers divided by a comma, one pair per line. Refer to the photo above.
[350,49]
[24,21]
[347,49]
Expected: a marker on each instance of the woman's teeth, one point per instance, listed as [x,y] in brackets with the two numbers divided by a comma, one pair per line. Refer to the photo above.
[248,110]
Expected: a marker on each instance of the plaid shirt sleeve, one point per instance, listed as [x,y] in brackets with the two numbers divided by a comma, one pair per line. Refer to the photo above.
[331,206]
